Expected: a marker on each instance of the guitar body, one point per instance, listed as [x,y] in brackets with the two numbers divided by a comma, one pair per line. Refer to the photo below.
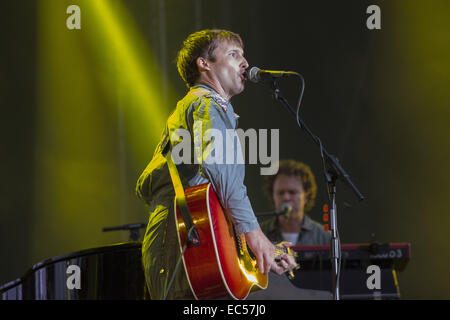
[220,266]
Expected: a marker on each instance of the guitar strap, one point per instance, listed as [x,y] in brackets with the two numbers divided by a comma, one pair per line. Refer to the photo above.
[192,235]
[166,147]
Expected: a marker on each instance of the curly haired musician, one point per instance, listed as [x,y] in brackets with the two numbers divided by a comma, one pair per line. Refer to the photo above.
[294,183]
[212,64]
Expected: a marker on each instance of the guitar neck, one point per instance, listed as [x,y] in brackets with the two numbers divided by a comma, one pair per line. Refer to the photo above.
[280,250]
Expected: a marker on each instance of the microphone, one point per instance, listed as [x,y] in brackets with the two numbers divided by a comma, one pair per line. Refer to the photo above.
[257,75]
[285,209]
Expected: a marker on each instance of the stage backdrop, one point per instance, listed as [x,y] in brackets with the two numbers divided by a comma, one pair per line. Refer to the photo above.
[84,102]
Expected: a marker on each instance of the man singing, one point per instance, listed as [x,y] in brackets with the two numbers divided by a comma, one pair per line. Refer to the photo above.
[212,64]
[295,184]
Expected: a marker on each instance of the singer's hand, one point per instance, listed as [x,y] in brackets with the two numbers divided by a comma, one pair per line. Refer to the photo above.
[263,250]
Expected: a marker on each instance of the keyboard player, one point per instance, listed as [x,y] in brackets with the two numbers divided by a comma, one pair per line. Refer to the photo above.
[294,186]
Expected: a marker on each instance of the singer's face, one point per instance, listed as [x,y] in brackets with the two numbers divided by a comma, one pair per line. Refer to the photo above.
[289,189]
[228,69]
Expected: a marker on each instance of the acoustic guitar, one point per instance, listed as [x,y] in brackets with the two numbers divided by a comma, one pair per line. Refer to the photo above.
[220,266]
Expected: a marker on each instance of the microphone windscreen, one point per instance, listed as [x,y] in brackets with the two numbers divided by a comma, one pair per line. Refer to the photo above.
[253,74]
[286,208]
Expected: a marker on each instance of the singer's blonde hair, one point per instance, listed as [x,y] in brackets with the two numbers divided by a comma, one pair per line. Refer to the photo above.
[201,44]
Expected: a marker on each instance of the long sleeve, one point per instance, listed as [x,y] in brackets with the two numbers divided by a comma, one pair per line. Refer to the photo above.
[219,155]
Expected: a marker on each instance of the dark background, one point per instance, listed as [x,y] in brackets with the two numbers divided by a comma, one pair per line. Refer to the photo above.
[378,99]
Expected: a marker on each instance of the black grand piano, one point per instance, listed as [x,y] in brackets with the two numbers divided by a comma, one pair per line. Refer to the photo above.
[115,272]
[111,272]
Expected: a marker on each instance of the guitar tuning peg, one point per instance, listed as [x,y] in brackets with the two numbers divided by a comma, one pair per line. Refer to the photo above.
[291,274]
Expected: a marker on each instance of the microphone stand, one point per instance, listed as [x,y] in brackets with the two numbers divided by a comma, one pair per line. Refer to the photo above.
[133,227]
[332,171]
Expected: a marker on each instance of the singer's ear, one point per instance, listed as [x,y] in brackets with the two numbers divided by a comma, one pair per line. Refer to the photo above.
[202,64]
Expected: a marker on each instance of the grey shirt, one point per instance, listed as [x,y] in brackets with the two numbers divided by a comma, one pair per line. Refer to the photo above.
[311,232]
[203,109]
